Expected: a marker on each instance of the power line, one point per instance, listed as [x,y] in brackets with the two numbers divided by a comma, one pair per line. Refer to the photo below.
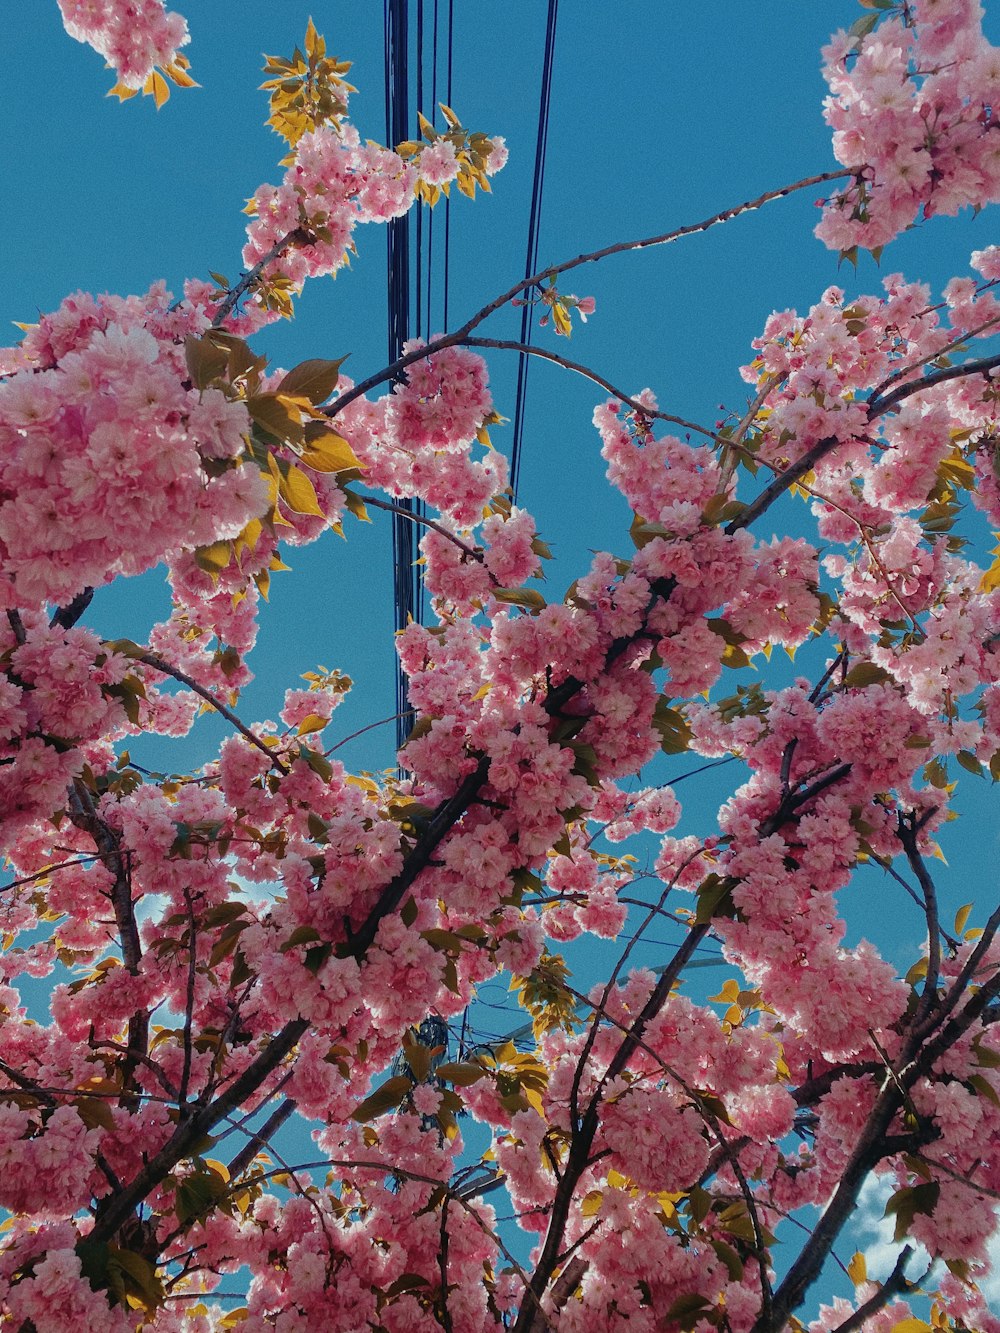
[534,228]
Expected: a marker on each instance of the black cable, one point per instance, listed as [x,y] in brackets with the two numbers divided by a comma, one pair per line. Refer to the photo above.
[398,277]
[534,228]
[447,204]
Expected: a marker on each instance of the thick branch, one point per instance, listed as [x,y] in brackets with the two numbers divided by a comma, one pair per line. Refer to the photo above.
[880,405]
[118,1207]
[67,616]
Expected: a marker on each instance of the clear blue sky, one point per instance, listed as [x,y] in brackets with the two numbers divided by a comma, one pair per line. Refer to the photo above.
[663,113]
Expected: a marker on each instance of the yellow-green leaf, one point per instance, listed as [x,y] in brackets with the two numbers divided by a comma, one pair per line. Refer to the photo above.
[312,723]
[527,597]
[299,493]
[277,415]
[461,1075]
[329,452]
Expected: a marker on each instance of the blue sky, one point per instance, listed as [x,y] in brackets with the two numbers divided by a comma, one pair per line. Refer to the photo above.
[662,113]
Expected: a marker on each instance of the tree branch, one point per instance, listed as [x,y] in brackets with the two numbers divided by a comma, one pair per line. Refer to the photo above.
[296,236]
[161,664]
[591,257]
[895,1283]
[529,349]
[878,406]
[421,520]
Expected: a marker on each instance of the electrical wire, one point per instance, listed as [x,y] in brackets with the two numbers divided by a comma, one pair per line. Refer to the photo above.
[534,229]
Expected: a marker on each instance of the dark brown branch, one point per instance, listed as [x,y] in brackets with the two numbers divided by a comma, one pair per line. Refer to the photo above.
[84,815]
[584,1133]
[780,483]
[969,968]
[807,1266]
[67,616]
[189,998]
[877,407]
[906,831]
[894,1284]
[297,236]
[261,1138]
[421,520]
[17,625]
[958,341]
[880,405]
[115,1210]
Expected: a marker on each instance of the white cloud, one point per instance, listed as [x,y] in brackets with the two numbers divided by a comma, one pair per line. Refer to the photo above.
[872,1233]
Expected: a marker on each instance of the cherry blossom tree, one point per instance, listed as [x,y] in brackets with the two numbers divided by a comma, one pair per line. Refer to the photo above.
[272,936]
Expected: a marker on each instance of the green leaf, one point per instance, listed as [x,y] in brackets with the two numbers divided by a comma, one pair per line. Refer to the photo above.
[405,1282]
[968,761]
[461,1075]
[863,26]
[715,898]
[865,673]
[315,380]
[206,361]
[689,1310]
[675,734]
[300,935]
[138,1276]
[527,597]
[383,1099]
[319,763]
[984,1088]
[906,1203]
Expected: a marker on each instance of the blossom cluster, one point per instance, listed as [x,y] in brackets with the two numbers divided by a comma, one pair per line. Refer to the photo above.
[333,182]
[133,36]
[913,108]
[109,460]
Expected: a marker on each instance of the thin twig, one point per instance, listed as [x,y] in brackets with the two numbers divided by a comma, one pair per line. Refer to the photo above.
[652,413]
[879,406]
[897,375]
[906,831]
[161,664]
[252,276]
[261,1138]
[423,521]
[391,372]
